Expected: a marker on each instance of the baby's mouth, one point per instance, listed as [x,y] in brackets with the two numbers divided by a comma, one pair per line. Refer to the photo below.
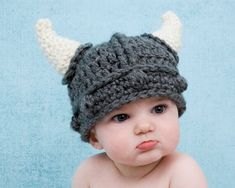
[147,145]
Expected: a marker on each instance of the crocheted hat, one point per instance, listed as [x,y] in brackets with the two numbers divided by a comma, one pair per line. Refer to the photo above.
[103,77]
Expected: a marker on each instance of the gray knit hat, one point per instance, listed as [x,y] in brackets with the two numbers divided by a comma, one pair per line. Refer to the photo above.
[103,77]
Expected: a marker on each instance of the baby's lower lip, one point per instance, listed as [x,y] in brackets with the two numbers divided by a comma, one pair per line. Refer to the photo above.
[147,145]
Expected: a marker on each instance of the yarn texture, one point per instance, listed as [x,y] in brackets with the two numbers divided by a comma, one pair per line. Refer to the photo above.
[103,77]
[58,50]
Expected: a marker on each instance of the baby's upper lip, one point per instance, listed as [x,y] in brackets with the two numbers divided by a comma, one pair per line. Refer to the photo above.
[148,141]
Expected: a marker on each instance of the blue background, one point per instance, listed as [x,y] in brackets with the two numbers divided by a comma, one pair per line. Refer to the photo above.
[37,147]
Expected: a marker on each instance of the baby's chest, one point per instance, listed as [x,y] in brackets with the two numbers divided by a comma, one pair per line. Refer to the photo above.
[112,182]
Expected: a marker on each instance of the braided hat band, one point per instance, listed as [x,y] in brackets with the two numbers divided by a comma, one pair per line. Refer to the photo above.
[124,69]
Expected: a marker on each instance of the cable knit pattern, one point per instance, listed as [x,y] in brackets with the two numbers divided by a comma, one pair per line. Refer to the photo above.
[103,77]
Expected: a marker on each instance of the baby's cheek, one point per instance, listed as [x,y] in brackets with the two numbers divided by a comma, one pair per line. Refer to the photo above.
[172,136]
[118,149]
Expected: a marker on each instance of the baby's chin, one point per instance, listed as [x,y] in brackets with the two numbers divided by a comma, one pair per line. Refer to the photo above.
[144,161]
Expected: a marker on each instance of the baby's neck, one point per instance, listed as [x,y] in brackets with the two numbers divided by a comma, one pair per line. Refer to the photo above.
[136,172]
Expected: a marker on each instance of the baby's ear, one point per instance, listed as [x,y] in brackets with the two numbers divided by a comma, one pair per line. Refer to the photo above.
[94,141]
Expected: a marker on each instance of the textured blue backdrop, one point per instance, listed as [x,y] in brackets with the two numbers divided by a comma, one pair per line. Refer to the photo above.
[37,147]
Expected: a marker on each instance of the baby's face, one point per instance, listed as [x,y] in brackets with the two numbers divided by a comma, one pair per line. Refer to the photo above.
[138,133]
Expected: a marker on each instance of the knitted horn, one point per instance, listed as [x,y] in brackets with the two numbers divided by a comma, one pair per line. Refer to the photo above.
[170,30]
[58,50]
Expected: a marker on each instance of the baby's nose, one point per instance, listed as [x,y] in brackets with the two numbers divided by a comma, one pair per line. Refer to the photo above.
[143,127]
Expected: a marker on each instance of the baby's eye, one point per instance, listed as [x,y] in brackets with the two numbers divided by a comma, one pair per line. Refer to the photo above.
[120,117]
[159,108]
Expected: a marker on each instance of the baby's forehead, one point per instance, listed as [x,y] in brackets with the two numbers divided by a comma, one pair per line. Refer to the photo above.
[147,101]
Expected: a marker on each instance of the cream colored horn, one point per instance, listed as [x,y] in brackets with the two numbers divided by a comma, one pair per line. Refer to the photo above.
[170,30]
[58,50]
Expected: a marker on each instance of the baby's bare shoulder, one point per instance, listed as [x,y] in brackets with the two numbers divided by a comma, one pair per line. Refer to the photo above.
[96,160]
[185,172]
[177,159]
[87,170]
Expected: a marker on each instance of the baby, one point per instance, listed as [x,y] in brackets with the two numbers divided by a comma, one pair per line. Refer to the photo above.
[126,97]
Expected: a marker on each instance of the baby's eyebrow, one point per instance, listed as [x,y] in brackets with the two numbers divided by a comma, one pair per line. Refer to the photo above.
[160,99]
[117,109]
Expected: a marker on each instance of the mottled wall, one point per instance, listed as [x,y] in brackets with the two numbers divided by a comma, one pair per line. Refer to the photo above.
[37,147]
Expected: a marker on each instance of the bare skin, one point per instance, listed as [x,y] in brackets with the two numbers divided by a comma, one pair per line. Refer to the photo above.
[174,171]
[139,140]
